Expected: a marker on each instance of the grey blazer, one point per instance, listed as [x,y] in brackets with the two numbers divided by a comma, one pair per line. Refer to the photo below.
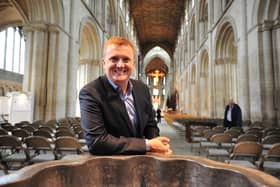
[105,121]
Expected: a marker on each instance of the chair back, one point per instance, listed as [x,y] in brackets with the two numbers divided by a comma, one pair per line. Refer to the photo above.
[248,147]
[42,133]
[271,139]
[247,137]
[221,138]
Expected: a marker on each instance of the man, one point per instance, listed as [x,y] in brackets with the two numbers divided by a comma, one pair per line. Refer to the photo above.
[116,111]
[233,115]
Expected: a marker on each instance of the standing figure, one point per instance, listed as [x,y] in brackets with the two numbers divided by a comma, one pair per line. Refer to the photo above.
[116,111]
[233,115]
[158,115]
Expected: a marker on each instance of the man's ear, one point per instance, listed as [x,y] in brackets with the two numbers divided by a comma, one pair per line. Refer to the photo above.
[102,61]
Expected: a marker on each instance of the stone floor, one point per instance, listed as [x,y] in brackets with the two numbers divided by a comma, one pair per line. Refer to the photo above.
[176,133]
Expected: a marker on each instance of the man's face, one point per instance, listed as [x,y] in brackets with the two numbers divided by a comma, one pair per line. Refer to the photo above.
[118,63]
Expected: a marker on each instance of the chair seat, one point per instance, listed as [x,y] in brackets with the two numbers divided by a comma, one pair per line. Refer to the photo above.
[198,139]
[208,144]
[218,152]
[227,145]
[243,163]
[271,165]
[19,157]
[43,158]
[267,146]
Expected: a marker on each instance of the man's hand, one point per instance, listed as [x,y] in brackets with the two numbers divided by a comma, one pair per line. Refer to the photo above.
[160,145]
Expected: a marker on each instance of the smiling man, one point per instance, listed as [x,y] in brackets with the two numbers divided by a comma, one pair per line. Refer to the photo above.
[116,111]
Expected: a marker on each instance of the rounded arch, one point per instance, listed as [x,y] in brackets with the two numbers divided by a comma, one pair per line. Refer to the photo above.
[265,10]
[204,85]
[90,49]
[157,52]
[225,77]
[89,55]
[49,11]
[204,59]
[225,46]
[148,48]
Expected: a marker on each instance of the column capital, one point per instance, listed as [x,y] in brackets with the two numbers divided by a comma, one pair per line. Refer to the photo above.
[266,25]
[35,27]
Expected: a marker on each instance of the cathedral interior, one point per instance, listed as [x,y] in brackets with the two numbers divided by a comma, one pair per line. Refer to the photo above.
[194,55]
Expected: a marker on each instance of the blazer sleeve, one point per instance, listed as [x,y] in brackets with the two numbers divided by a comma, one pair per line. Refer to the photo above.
[98,139]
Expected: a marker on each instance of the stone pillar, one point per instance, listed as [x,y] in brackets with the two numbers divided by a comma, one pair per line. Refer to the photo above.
[35,77]
[268,81]
[46,70]
[242,67]
[54,90]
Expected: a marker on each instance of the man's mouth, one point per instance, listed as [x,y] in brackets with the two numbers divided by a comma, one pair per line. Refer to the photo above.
[120,71]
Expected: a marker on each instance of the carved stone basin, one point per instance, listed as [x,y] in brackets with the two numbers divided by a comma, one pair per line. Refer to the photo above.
[142,170]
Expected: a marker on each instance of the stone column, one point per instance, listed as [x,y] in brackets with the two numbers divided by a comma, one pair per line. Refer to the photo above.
[268,81]
[55,90]
[35,78]
[242,66]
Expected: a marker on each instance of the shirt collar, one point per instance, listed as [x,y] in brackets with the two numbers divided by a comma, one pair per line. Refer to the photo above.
[118,89]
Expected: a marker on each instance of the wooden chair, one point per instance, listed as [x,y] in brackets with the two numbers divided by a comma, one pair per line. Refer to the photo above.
[43,133]
[13,154]
[269,140]
[66,145]
[8,127]
[270,162]
[39,149]
[29,128]
[245,154]
[3,132]
[247,137]
[224,142]
[46,128]
[64,133]
[21,133]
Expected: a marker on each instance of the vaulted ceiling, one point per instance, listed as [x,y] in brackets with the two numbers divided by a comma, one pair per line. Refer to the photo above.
[157,23]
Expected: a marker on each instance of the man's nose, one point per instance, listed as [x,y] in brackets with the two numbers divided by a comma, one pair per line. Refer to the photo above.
[120,63]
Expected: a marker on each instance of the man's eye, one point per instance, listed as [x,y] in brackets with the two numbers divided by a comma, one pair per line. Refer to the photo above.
[126,60]
[114,59]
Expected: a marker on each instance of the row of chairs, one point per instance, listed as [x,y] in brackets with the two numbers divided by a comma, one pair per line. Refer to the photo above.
[52,130]
[237,145]
[25,143]
[16,154]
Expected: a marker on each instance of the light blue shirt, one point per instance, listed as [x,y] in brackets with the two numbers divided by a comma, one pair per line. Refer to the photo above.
[129,103]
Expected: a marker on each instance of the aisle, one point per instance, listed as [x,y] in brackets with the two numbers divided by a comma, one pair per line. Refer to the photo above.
[177,138]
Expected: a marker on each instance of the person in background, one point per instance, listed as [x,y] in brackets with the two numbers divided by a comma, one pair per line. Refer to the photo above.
[233,115]
[158,115]
[116,111]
